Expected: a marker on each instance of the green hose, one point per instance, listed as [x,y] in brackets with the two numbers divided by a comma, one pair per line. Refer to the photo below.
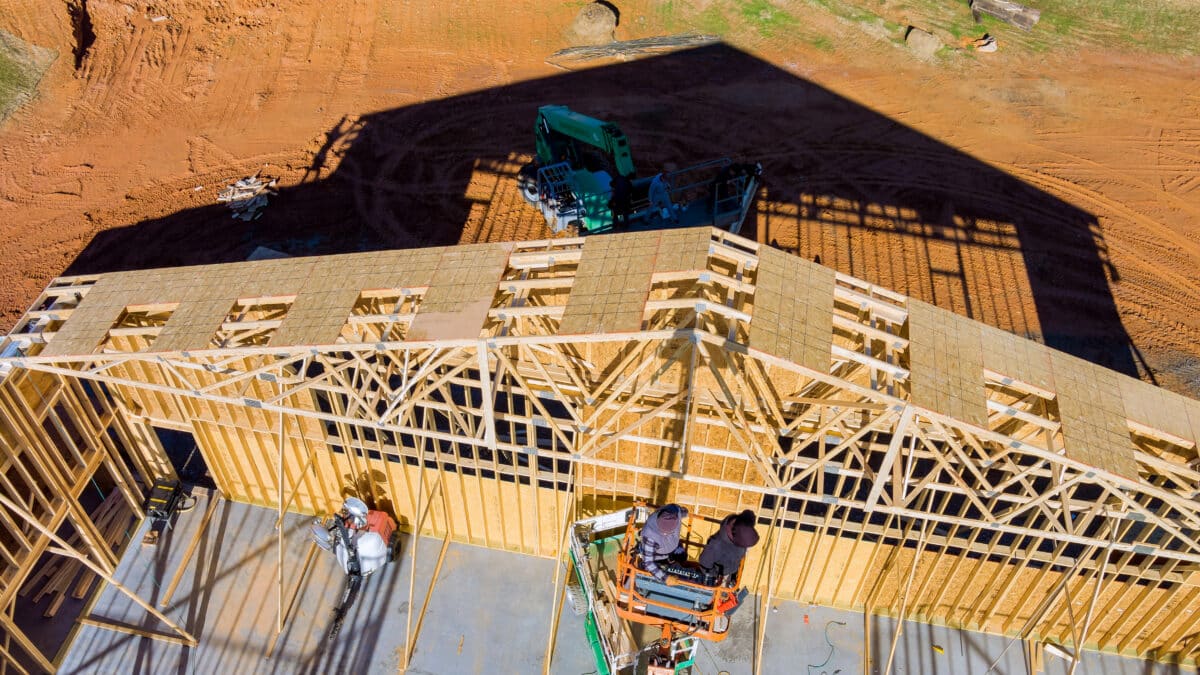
[828,642]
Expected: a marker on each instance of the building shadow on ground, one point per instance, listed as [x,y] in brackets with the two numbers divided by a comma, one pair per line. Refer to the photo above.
[844,185]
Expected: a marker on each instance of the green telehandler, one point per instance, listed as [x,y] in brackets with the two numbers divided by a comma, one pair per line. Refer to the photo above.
[584,180]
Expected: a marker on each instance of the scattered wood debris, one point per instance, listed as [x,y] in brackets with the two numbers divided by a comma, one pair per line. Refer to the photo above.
[987,43]
[1009,12]
[629,49]
[113,519]
[247,197]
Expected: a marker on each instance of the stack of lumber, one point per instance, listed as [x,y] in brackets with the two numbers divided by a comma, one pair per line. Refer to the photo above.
[112,519]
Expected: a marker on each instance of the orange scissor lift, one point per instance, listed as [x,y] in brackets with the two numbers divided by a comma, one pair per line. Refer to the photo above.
[636,623]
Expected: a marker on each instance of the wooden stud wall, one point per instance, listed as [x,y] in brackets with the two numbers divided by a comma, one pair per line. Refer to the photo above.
[57,437]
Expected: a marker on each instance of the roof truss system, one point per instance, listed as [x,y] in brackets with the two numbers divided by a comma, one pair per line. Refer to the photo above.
[914,463]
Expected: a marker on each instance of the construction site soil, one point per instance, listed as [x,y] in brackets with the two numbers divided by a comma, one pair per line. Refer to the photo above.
[1055,194]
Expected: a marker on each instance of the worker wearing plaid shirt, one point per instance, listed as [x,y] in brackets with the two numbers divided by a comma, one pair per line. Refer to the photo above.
[659,540]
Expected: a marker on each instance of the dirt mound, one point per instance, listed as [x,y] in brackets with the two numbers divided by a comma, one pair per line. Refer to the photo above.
[594,25]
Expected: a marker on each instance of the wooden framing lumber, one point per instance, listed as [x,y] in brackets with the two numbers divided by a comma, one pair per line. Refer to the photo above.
[109,624]
[214,500]
[676,382]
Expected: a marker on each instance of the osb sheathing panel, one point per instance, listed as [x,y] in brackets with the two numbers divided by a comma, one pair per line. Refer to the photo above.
[1094,425]
[459,276]
[143,402]
[242,451]
[947,363]
[974,593]
[611,285]
[139,438]
[460,293]
[840,571]
[1022,360]
[814,568]
[793,309]
[194,322]
[1161,409]
[316,318]
[684,249]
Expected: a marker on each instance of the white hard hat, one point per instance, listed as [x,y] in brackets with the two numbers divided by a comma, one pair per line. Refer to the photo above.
[357,510]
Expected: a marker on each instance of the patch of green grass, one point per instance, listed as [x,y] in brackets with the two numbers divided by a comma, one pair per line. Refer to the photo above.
[21,68]
[1157,26]
[667,14]
[14,80]
[766,18]
[1061,24]
[712,20]
[823,43]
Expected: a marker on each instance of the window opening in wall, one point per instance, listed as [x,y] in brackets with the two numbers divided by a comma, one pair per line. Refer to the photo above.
[185,457]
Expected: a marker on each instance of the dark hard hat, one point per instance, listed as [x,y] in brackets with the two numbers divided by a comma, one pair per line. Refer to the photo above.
[669,513]
[742,532]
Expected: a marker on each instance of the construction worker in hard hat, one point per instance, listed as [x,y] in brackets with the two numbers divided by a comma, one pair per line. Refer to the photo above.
[371,534]
[723,553]
[658,542]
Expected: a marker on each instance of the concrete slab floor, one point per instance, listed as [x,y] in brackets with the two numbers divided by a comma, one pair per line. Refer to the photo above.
[490,612]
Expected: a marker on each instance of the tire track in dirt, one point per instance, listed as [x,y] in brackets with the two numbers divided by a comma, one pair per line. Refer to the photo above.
[1189,167]
[121,78]
[356,54]
[298,41]
[1149,285]
[233,89]
[1098,201]
[178,55]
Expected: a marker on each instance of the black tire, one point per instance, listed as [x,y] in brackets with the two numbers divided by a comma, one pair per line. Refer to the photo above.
[394,547]
[527,181]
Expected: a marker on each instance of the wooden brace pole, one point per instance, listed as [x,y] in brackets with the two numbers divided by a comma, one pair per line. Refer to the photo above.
[109,624]
[560,586]
[1087,619]
[312,550]
[766,603]
[912,572]
[410,646]
[279,534]
[214,501]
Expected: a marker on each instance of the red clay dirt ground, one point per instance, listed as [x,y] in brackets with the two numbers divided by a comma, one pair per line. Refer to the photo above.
[1052,193]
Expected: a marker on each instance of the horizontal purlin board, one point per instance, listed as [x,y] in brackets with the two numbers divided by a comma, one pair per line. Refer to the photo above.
[461,292]
[946,368]
[793,309]
[1094,426]
[611,284]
